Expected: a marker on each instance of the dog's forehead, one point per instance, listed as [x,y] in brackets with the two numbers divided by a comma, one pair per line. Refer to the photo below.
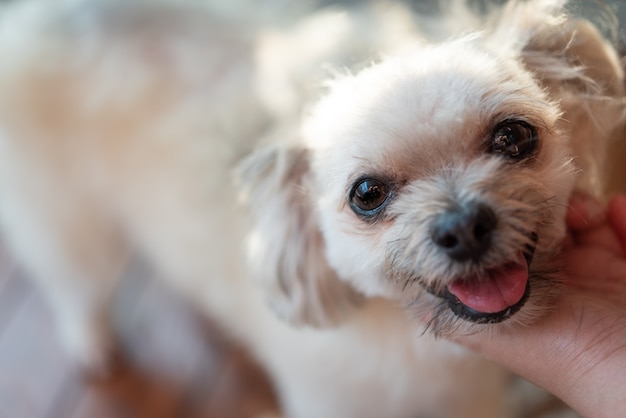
[412,112]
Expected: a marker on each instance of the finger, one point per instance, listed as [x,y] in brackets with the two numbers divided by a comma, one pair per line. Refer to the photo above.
[584,211]
[617,217]
[600,237]
[589,268]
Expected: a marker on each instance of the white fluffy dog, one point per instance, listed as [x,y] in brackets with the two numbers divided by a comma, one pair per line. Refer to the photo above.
[433,182]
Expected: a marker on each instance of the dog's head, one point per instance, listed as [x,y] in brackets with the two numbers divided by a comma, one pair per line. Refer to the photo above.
[438,179]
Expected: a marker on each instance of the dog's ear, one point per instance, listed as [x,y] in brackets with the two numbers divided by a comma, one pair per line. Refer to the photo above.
[286,247]
[579,69]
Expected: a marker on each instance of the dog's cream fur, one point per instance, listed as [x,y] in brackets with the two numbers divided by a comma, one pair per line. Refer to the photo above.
[123,126]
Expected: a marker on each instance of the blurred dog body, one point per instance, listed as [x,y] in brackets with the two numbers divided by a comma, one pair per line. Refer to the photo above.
[122,125]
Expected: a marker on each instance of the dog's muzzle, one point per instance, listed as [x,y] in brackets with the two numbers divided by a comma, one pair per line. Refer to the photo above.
[513,275]
[465,234]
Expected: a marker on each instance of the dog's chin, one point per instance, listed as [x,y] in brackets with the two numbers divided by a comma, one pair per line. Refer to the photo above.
[494,295]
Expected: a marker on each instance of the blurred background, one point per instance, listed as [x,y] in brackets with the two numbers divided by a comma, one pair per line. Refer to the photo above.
[174,362]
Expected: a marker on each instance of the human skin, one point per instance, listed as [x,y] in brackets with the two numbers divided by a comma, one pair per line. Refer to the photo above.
[578,351]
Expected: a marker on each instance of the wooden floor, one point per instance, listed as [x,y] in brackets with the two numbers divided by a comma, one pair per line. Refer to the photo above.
[176,365]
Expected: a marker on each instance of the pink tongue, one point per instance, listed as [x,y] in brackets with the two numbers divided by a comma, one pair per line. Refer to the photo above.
[495,292]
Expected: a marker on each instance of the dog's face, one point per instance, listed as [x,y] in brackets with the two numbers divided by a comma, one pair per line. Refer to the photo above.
[438,179]
[442,178]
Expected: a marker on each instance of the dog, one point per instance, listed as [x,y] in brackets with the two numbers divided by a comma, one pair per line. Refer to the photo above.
[424,190]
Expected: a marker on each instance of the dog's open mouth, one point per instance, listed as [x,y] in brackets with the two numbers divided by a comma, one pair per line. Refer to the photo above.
[494,295]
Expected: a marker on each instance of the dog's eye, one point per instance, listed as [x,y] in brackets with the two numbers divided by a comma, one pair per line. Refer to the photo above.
[369,196]
[514,139]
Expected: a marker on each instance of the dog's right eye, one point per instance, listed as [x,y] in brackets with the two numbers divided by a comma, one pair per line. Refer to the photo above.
[369,196]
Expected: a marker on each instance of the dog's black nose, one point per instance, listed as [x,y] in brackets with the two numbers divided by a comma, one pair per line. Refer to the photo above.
[465,233]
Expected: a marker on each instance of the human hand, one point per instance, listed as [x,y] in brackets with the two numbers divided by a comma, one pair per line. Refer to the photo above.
[594,251]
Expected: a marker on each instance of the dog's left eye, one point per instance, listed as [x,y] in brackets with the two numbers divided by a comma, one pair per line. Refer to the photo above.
[369,196]
[514,139]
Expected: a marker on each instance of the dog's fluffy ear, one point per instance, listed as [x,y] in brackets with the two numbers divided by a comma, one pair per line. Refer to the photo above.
[579,69]
[286,247]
